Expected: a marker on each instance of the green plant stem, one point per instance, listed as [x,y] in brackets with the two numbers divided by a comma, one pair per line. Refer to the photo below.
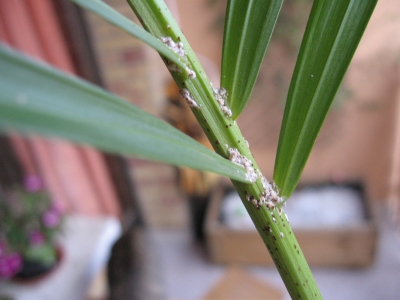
[223,133]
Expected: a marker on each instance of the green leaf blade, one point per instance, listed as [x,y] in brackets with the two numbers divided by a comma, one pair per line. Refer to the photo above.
[248,30]
[109,14]
[331,38]
[36,98]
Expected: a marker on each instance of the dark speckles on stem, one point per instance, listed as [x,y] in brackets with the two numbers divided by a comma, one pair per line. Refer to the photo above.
[217,142]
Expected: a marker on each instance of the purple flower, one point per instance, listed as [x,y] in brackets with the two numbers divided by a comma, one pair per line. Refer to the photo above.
[10,265]
[36,238]
[58,206]
[33,183]
[15,261]
[51,218]
[5,270]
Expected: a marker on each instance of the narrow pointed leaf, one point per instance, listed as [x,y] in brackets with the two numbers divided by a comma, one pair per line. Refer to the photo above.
[36,98]
[112,16]
[248,29]
[331,38]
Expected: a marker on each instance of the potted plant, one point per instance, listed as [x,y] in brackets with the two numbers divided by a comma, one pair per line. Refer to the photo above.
[29,224]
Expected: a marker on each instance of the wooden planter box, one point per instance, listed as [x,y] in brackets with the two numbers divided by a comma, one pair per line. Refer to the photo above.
[351,246]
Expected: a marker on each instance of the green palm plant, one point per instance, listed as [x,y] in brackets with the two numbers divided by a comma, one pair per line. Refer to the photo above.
[37,98]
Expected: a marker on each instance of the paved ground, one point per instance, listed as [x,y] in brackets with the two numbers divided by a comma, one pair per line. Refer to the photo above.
[186,273]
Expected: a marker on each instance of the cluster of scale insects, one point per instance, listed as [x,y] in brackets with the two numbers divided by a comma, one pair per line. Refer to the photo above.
[189,98]
[243,161]
[269,197]
[221,95]
[178,49]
